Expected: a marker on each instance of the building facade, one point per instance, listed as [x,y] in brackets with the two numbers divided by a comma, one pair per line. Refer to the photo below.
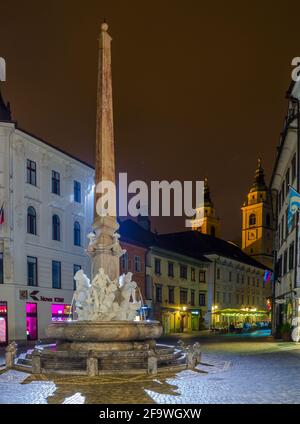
[257,221]
[285,173]
[179,290]
[47,202]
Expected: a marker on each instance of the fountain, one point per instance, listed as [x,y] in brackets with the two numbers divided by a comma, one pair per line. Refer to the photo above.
[105,337]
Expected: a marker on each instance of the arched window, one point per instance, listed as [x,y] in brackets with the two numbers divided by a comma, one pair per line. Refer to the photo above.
[31,220]
[252,219]
[212,231]
[268,220]
[77,241]
[55,228]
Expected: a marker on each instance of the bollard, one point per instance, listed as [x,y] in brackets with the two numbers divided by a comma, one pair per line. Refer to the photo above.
[36,362]
[152,363]
[10,354]
[92,367]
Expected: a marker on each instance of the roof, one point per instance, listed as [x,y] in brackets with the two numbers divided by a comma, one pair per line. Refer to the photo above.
[204,244]
[131,232]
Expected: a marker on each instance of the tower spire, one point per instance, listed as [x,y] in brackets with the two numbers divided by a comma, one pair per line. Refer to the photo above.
[259,178]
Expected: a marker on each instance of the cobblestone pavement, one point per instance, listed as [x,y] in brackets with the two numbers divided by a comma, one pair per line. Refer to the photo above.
[233,370]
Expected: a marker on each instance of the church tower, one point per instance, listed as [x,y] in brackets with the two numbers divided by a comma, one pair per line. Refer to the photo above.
[210,223]
[257,225]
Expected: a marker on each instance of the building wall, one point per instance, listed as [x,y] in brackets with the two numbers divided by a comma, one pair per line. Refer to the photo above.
[175,315]
[235,285]
[15,148]
[132,252]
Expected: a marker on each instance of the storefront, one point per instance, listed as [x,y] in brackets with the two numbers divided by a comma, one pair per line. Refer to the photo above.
[31,321]
[180,320]
[61,312]
[3,323]
[224,318]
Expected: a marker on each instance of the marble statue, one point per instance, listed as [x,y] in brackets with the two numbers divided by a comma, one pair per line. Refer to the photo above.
[104,299]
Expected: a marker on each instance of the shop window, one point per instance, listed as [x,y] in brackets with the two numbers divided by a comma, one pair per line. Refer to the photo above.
[3,323]
[31,321]
[61,312]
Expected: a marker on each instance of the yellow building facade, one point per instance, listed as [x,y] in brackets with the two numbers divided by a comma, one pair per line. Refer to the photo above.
[257,222]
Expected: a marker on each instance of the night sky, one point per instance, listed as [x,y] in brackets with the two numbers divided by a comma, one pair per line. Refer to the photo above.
[199,87]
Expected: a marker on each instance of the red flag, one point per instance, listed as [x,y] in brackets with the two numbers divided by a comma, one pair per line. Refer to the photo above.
[2,214]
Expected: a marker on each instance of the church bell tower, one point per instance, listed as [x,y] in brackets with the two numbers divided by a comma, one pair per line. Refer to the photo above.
[257,225]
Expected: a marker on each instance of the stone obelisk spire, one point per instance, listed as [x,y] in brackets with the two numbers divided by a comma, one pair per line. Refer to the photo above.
[104,247]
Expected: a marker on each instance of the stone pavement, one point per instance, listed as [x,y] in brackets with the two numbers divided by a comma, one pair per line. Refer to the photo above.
[234,370]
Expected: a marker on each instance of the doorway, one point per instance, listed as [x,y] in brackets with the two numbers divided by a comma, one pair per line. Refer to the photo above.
[3,324]
[31,321]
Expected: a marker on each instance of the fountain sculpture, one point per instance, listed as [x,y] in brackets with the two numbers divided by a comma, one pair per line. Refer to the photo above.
[105,337]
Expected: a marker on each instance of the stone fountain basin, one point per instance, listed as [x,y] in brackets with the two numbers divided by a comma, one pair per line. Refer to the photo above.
[104,331]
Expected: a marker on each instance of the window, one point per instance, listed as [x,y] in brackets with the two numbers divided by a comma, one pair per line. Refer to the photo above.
[202,277]
[285,262]
[291,256]
[253,300]
[252,219]
[183,271]
[137,264]
[56,182]
[248,281]
[157,266]
[279,267]
[253,281]
[242,278]
[237,299]
[202,300]
[248,300]
[242,299]
[282,193]
[279,202]
[286,224]
[213,231]
[293,169]
[230,276]
[257,282]
[238,278]
[171,295]
[31,220]
[217,297]
[170,269]
[192,298]
[224,297]
[32,271]
[75,269]
[183,297]
[56,275]
[282,230]
[55,228]
[77,235]
[1,269]
[158,293]
[218,274]
[229,298]
[77,192]
[124,262]
[31,172]
[193,274]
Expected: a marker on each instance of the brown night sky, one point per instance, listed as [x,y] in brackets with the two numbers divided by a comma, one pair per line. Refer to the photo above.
[199,87]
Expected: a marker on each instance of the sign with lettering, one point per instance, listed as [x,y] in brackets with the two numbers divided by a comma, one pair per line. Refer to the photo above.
[34,296]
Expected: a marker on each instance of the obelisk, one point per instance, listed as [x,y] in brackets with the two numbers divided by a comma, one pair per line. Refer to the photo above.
[104,248]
